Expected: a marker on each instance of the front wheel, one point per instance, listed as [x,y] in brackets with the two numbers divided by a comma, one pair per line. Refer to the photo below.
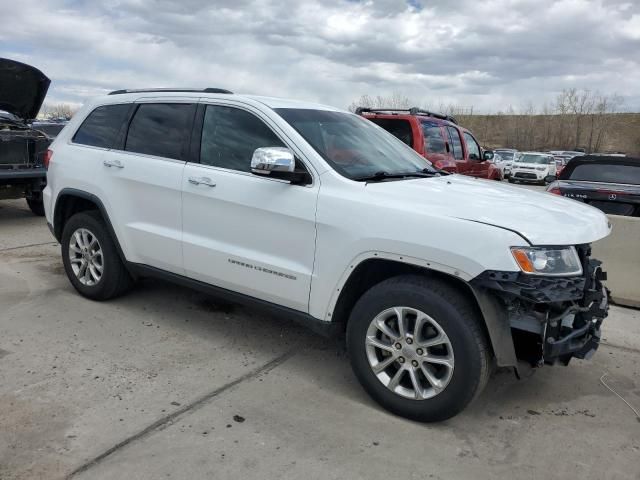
[417,347]
[511,180]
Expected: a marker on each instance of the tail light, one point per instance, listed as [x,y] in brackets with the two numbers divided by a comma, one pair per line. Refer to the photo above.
[555,189]
[46,160]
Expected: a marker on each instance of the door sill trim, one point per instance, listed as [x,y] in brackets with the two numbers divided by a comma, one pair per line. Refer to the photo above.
[321,327]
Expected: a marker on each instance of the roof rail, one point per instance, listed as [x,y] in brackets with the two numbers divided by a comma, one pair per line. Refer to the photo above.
[410,111]
[151,90]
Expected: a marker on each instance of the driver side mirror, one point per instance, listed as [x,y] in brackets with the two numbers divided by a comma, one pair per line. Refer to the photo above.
[488,155]
[277,162]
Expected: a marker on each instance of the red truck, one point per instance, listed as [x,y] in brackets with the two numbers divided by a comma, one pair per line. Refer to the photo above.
[438,138]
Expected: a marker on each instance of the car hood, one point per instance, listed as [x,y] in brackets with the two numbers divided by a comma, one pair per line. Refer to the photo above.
[541,218]
[22,88]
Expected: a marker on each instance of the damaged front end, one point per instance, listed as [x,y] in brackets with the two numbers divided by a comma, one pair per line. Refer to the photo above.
[550,319]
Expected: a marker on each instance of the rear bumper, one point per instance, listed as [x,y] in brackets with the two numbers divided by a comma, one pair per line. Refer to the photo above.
[20,176]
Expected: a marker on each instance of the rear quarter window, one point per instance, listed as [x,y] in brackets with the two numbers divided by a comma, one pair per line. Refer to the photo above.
[399,128]
[101,126]
[606,173]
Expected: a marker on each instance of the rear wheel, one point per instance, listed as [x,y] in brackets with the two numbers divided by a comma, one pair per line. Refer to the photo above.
[36,206]
[90,258]
[417,348]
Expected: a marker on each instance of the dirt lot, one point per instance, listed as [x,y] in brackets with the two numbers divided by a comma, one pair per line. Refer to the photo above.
[168,383]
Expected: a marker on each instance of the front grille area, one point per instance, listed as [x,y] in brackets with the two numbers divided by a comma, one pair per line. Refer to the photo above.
[527,175]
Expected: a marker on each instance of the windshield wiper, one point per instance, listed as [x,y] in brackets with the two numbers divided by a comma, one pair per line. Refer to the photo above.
[382,175]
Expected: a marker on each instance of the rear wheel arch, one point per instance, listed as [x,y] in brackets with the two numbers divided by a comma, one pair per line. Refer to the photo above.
[71,201]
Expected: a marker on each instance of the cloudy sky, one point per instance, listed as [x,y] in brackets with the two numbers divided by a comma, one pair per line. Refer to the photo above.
[485,53]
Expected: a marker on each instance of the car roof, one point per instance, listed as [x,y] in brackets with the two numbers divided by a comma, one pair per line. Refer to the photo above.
[546,154]
[123,96]
[604,159]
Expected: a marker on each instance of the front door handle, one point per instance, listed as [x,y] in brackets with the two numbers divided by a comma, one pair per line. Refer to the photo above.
[202,181]
[113,163]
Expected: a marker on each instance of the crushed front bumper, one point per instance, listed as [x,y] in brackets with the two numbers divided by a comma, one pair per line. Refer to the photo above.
[552,319]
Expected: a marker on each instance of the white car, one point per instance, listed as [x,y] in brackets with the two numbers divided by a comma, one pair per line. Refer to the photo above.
[533,167]
[322,216]
[507,157]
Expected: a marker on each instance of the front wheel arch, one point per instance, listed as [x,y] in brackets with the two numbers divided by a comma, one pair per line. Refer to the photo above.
[373,271]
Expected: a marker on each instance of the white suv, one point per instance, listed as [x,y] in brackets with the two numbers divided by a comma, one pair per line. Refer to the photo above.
[327,218]
[533,167]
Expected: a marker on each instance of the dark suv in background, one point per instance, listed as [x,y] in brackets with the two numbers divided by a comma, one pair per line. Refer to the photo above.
[438,138]
[23,148]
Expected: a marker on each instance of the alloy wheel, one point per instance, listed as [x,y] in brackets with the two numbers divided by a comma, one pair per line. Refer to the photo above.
[85,255]
[409,353]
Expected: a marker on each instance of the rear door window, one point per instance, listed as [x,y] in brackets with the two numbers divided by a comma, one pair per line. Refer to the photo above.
[101,127]
[606,173]
[399,128]
[433,140]
[160,129]
[456,143]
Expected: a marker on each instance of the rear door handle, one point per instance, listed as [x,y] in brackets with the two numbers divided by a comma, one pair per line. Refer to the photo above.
[202,181]
[113,163]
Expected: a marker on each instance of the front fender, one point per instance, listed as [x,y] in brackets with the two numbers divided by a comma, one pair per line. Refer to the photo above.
[379,255]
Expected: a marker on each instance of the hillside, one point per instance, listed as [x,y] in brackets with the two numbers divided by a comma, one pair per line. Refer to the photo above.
[602,133]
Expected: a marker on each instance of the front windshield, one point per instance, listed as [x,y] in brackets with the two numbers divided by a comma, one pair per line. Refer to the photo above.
[354,146]
[530,158]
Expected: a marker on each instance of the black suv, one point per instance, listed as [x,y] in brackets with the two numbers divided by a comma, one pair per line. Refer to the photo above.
[23,148]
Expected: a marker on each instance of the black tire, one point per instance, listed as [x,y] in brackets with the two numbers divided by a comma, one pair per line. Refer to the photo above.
[115,279]
[36,206]
[453,312]
[511,180]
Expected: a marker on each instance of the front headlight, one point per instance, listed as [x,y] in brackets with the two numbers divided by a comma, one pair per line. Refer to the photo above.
[553,261]
[541,168]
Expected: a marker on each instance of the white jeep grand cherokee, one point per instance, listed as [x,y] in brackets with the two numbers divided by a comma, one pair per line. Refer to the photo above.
[327,218]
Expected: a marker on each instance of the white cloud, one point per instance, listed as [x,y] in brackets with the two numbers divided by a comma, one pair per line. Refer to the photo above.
[488,54]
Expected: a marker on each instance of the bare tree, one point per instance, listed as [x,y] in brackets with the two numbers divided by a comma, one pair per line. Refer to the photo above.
[58,110]
[395,100]
[577,118]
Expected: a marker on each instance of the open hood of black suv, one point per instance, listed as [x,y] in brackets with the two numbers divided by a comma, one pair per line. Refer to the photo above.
[22,88]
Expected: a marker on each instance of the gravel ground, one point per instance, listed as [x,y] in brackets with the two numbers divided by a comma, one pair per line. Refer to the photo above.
[168,383]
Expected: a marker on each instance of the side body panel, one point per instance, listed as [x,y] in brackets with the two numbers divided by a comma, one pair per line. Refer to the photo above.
[248,233]
[358,223]
[144,197]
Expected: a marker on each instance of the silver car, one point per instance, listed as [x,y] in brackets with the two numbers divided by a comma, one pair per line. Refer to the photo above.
[504,160]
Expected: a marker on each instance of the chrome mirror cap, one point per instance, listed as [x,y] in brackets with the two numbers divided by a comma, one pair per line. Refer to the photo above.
[272,159]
